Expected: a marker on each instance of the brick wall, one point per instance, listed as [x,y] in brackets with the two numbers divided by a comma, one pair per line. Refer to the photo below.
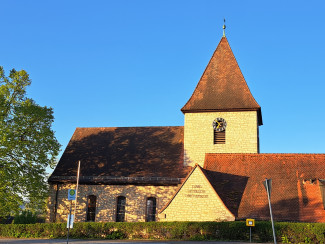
[136,197]
[196,201]
[241,135]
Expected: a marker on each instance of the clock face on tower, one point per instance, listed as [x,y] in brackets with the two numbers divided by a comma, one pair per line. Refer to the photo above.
[219,124]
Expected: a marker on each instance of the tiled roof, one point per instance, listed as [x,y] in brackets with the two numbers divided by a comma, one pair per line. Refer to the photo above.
[229,187]
[296,194]
[222,86]
[124,155]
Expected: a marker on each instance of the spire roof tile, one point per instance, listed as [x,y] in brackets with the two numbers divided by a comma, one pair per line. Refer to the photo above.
[222,86]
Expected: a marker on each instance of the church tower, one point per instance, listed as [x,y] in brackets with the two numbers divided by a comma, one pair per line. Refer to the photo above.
[222,115]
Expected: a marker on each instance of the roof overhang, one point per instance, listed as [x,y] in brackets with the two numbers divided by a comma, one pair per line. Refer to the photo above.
[114,180]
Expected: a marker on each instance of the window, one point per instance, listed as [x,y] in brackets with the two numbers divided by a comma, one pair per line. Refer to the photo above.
[91,211]
[219,137]
[151,209]
[120,209]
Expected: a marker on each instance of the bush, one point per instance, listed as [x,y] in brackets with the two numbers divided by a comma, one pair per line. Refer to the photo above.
[230,231]
[25,217]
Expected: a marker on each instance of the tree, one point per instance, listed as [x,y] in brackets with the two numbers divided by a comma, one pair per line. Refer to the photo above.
[27,145]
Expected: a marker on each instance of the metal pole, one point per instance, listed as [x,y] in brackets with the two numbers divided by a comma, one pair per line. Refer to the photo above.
[268,196]
[75,203]
[69,223]
[250,234]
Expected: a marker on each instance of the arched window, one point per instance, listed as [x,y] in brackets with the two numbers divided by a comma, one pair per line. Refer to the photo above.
[91,210]
[151,209]
[120,209]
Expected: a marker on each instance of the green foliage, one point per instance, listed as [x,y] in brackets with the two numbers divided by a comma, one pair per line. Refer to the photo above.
[302,232]
[33,230]
[27,145]
[229,231]
[115,235]
[284,239]
[25,217]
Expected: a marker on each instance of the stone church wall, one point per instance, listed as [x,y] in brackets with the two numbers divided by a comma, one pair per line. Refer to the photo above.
[106,195]
[241,135]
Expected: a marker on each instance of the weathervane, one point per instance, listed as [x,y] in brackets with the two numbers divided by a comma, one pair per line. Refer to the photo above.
[224,27]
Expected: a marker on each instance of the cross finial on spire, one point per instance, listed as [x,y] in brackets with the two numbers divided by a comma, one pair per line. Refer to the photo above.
[224,27]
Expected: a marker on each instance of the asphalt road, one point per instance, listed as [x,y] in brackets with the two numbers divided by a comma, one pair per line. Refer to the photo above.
[74,241]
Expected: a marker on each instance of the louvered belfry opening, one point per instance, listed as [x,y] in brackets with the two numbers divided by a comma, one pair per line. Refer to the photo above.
[219,137]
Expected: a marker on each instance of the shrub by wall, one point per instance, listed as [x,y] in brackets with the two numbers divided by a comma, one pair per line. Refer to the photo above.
[262,232]
[25,217]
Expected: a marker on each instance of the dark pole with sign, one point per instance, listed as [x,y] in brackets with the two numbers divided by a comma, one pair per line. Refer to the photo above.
[72,196]
[250,223]
[267,183]
[69,223]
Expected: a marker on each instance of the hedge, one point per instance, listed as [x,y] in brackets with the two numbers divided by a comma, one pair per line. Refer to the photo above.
[231,231]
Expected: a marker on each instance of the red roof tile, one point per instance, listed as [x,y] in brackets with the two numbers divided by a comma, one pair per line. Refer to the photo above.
[222,86]
[124,155]
[293,198]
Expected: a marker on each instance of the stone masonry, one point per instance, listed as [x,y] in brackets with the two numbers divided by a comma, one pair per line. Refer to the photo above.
[241,135]
[196,200]
[106,195]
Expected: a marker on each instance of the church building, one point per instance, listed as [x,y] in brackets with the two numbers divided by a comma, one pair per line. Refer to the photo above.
[210,169]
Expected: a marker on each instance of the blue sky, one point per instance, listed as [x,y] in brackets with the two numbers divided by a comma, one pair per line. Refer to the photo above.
[136,63]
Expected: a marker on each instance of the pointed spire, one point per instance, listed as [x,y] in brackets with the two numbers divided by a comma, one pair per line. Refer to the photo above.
[222,86]
[224,27]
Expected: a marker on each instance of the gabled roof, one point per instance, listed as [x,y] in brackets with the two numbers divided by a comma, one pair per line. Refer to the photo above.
[296,192]
[222,86]
[124,155]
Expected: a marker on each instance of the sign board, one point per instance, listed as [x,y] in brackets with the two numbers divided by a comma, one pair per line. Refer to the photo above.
[71,219]
[71,194]
[250,222]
